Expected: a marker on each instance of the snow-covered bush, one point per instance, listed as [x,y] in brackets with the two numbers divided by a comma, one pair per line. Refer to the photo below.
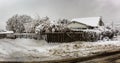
[43,26]
[39,28]
[107,32]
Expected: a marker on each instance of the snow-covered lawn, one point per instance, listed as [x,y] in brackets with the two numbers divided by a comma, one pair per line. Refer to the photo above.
[30,49]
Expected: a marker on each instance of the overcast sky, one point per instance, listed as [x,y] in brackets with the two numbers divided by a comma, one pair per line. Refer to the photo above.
[108,9]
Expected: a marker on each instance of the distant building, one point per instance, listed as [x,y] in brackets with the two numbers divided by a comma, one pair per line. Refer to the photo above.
[85,23]
[4,34]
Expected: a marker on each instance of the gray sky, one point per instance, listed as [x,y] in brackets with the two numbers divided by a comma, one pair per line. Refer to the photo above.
[108,9]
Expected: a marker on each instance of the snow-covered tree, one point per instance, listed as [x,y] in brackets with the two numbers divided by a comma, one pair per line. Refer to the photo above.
[16,23]
[62,24]
[63,21]
[25,18]
[30,27]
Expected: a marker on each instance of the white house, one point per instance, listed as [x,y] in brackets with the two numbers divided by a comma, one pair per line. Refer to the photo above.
[85,23]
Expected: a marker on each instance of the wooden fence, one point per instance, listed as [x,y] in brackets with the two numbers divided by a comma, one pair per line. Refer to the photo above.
[71,36]
[58,36]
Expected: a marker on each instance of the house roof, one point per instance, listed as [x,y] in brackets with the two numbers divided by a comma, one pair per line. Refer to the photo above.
[90,21]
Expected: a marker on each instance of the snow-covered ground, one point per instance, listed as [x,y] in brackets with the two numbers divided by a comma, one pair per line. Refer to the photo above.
[10,48]
[29,49]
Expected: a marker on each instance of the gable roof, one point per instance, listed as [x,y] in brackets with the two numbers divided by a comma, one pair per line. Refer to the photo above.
[90,21]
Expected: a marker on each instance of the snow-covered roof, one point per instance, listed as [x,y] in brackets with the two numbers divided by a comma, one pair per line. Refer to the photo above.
[91,21]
